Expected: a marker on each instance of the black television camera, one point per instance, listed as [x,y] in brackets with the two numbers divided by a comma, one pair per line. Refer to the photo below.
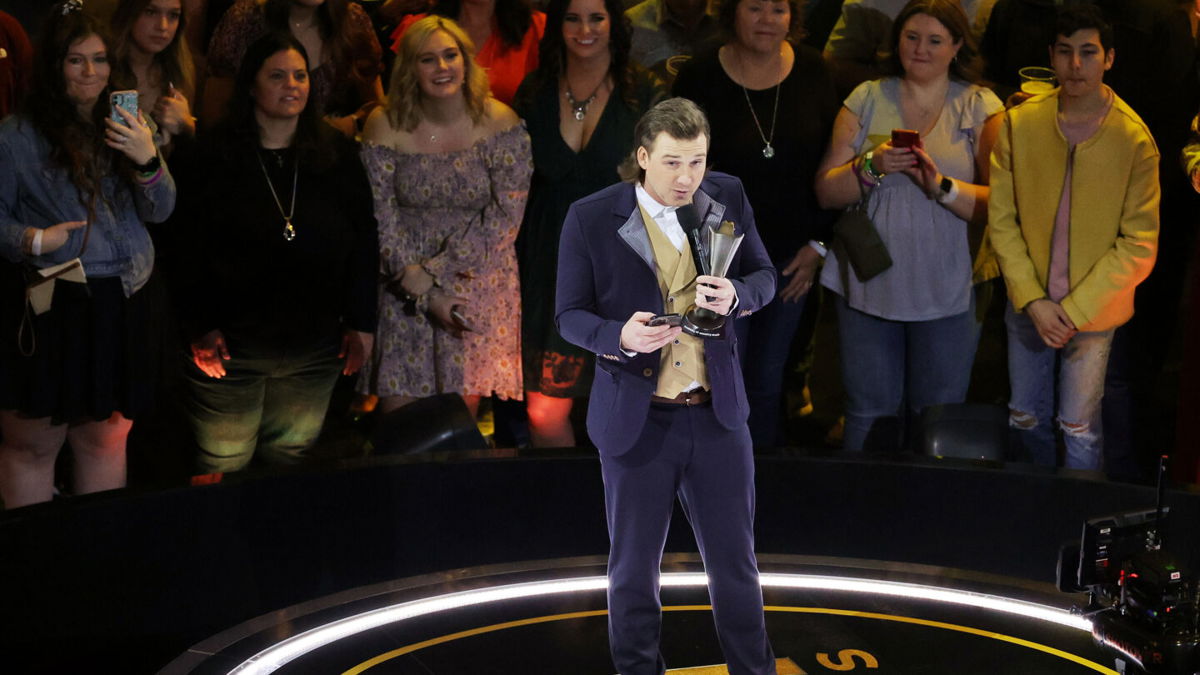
[1144,607]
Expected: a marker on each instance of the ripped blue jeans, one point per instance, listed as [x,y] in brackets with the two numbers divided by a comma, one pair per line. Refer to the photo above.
[1077,369]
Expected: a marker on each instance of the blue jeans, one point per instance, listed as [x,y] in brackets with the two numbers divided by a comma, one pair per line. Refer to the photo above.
[271,401]
[1034,369]
[892,369]
[764,342]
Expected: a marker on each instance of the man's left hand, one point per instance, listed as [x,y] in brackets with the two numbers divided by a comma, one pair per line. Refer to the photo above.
[715,293]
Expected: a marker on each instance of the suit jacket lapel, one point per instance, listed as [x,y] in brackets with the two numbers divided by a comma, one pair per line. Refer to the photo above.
[633,230]
[713,210]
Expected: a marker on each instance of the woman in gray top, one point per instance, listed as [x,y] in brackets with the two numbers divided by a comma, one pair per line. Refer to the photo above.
[75,186]
[908,335]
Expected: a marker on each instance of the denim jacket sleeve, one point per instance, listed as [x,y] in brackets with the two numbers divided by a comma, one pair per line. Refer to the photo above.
[11,228]
[156,201]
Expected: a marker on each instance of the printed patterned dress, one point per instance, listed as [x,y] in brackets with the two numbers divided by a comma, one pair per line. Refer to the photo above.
[457,215]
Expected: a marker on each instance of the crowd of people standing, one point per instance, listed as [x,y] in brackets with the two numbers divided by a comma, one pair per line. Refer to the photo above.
[305,223]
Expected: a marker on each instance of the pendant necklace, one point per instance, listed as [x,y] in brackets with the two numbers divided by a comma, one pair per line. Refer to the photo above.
[289,232]
[579,108]
[768,151]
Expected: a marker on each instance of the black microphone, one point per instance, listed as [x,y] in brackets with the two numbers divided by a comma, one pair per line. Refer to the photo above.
[689,220]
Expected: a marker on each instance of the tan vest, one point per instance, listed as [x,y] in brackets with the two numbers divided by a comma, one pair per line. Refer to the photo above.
[682,361]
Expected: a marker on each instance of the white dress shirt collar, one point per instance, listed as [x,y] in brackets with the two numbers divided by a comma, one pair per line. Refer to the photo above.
[664,217]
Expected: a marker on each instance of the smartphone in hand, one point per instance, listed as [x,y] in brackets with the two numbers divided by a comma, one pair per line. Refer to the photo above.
[665,320]
[127,100]
[460,320]
[905,138]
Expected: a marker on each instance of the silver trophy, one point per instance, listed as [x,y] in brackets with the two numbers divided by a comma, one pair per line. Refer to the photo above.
[714,251]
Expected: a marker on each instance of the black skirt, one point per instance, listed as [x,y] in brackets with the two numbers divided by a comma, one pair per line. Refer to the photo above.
[92,352]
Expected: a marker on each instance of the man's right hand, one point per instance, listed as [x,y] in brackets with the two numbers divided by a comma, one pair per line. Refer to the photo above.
[636,336]
[1052,322]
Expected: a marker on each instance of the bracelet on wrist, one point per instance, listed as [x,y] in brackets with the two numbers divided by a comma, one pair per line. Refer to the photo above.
[35,245]
[869,168]
[856,167]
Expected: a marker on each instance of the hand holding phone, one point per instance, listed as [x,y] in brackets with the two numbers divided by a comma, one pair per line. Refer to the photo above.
[127,100]
[459,319]
[665,320]
[905,138]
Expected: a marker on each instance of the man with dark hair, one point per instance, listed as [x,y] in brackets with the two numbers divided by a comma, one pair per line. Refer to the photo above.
[668,410]
[1074,237]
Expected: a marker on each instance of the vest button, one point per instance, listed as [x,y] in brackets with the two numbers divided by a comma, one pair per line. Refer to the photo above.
[678,364]
[677,341]
[648,372]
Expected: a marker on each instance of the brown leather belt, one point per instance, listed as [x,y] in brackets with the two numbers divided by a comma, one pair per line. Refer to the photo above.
[694,397]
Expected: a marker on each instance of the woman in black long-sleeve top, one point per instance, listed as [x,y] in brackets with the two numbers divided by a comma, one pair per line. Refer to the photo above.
[771,104]
[278,288]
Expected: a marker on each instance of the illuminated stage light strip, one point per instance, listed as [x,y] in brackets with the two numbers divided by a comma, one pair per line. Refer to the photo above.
[284,652]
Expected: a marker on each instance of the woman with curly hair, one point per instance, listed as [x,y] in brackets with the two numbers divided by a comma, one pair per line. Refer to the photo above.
[506,35]
[449,169]
[74,351]
[344,56]
[580,107]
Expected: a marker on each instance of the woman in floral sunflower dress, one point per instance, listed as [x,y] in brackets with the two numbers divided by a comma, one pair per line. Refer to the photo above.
[449,168]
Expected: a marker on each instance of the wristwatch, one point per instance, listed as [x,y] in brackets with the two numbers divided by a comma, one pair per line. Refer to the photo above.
[149,167]
[947,190]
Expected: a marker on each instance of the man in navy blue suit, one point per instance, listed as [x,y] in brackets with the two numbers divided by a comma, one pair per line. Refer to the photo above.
[668,411]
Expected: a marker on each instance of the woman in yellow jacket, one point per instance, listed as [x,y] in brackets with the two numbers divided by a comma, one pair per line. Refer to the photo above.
[1073,217]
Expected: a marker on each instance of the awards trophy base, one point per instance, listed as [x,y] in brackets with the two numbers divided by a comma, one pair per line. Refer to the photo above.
[702,323]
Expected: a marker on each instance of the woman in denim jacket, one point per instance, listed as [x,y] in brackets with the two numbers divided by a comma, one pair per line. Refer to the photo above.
[74,184]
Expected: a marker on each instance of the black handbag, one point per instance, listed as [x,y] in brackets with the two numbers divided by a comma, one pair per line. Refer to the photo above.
[855,234]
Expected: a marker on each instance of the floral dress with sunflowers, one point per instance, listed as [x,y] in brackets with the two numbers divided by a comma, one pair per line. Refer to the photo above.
[456,214]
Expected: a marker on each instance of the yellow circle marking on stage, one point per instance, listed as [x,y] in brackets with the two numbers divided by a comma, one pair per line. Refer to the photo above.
[387,656]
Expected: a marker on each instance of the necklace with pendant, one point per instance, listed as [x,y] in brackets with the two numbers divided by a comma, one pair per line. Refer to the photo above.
[289,232]
[579,108]
[768,150]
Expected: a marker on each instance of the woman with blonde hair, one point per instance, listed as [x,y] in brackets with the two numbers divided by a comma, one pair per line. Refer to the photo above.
[449,168]
[148,37]
[506,35]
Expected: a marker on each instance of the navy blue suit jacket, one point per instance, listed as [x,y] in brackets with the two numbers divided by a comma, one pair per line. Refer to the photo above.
[606,272]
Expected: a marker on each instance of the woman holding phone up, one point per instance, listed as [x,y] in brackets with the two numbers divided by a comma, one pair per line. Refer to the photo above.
[908,335]
[77,370]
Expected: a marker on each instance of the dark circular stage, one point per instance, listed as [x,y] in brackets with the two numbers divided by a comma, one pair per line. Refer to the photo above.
[493,563]
[824,616]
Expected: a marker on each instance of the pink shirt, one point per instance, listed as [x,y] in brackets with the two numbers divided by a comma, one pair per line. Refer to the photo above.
[1075,133]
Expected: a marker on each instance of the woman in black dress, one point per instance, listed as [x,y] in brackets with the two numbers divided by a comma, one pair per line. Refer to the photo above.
[580,107]
[771,104]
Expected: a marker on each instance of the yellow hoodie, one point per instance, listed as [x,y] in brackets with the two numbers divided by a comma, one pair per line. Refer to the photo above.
[1114,209]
